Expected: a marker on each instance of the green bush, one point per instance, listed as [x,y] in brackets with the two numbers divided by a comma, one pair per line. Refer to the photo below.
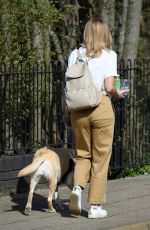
[131,172]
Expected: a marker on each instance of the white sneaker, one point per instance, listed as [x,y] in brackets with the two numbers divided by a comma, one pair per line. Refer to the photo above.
[75,201]
[97,211]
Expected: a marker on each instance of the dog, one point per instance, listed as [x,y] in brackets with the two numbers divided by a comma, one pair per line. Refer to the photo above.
[56,167]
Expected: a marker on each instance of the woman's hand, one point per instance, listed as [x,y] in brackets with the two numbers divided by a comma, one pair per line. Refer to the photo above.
[122,93]
[110,89]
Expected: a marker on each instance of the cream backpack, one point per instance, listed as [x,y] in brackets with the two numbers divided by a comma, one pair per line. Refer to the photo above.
[80,91]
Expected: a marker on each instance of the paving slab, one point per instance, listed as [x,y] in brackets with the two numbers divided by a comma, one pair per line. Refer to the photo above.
[128,206]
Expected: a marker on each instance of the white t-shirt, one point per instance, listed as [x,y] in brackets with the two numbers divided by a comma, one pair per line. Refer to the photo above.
[101,67]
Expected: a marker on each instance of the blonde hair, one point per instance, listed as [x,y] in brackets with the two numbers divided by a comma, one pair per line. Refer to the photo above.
[96,37]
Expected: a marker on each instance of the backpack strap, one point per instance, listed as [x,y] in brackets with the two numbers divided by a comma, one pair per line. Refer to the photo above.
[80,57]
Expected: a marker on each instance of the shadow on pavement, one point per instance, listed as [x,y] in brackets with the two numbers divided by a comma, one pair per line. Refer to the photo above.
[40,204]
[19,200]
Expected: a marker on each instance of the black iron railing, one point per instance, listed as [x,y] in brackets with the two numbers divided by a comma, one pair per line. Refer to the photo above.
[32,111]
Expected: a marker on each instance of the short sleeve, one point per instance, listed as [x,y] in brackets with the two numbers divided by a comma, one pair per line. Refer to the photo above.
[72,58]
[111,65]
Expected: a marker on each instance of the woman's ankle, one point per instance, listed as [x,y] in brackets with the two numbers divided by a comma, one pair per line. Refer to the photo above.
[95,205]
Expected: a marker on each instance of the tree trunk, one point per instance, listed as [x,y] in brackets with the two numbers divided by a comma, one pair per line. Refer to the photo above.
[132,29]
[6,20]
[38,41]
[46,44]
[57,45]
[122,28]
[36,124]
[130,52]
[108,13]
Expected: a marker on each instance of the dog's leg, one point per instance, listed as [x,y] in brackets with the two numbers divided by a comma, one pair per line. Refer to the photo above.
[69,181]
[52,189]
[33,182]
[57,200]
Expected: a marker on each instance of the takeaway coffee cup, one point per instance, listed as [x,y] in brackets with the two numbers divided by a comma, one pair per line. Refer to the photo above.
[124,84]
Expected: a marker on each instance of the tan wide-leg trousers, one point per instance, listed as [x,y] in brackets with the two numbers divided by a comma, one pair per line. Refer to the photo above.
[93,130]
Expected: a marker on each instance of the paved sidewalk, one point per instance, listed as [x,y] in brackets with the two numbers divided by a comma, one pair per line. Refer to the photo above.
[128,206]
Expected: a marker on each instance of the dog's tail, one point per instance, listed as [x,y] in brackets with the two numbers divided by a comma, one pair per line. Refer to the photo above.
[31,168]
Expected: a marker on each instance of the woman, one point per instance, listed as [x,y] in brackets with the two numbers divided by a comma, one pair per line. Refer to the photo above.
[93,128]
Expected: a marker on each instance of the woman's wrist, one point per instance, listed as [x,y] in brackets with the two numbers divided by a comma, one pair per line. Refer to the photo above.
[114,93]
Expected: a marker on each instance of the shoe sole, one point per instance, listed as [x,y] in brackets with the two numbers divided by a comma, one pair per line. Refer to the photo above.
[96,217]
[73,206]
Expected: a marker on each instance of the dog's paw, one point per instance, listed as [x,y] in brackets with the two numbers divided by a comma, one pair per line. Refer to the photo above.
[27,211]
[52,210]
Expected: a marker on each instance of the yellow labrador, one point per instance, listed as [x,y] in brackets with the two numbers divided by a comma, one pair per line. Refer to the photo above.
[54,166]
